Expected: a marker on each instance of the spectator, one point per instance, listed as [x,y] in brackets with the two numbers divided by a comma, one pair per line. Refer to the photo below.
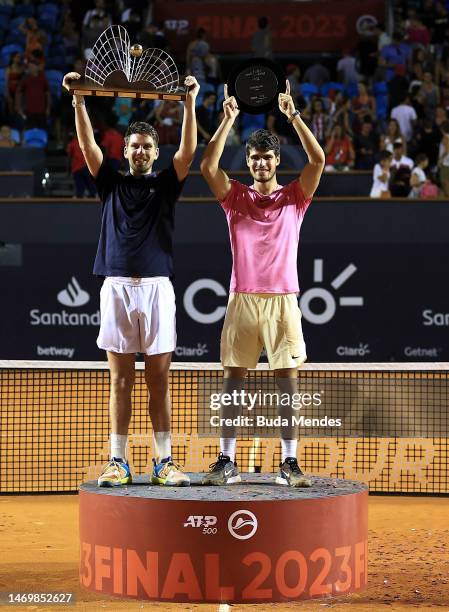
[294,78]
[440,116]
[381,176]
[362,106]
[417,33]
[421,62]
[317,74]
[13,74]
[33,98]
[392,135]
[318,119]
[36,39]
[123,108]
[168,116]
[346,69]
[82,178]
[71,39]
[401,168]
[443,159]
[428,13]
[395,54]
[339,113]
[431,94]
[428,141]
[339,151]
[366,145]
[261,40]
[418,177]
[440,25]
[205,117]
[367,53]
[383,39]
[197,50]
[233,137]
[92,31]
[131,19]
[277,124]
[6,140]
[153,37]
[213,70]
[398,87]
[100,12]
[406,116]
[113,144]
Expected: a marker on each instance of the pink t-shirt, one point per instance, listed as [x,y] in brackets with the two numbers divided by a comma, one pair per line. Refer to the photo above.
[264,234]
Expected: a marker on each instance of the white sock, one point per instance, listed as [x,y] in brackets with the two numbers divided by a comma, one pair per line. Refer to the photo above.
[227,447]
[119,445]
[162,444]
[289,448]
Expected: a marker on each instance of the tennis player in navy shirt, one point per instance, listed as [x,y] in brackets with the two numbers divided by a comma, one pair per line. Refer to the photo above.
[135,255]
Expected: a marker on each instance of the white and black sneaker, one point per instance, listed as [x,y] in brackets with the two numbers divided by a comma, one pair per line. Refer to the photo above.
[291,474]
[222,472]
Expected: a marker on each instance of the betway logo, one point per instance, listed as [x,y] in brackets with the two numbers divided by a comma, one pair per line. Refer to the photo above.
[73,295]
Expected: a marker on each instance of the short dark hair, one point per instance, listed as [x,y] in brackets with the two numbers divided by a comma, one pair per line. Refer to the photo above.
[262,22]
[385,155]
[141,127]
[398,144]
[420,158]
[263,140]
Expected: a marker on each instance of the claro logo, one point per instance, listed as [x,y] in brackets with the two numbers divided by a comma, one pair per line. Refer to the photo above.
[325,296]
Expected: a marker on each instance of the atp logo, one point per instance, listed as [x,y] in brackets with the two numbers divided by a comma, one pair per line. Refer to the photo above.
[73,295]
[242,524]
[326,296]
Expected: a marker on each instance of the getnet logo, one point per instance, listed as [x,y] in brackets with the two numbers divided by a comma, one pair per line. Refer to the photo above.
[73,295]
[326,296]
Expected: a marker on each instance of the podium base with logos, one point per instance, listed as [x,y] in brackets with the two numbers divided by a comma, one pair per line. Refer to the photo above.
[250,542]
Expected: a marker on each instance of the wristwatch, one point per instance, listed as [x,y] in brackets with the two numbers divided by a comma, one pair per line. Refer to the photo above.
[75,104]
[293,115]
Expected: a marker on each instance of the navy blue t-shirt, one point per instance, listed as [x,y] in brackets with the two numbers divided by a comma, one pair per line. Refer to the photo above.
[137,223]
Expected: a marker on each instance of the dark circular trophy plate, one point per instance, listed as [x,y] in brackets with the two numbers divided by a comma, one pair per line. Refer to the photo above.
[256,84]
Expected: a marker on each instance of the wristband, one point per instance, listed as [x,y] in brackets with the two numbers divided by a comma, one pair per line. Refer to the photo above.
[293,115]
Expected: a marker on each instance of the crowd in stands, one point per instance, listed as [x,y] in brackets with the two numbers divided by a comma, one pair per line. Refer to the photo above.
[381,107]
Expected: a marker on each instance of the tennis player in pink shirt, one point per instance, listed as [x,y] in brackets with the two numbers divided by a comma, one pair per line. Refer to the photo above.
[264,222]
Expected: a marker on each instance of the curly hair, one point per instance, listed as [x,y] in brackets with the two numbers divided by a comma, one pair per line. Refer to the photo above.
[140,127]
[263,140]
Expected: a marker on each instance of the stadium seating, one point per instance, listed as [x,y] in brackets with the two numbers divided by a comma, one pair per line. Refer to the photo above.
[35,138]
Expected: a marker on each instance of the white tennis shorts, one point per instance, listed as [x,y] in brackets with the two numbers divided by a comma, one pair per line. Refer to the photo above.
[138,315]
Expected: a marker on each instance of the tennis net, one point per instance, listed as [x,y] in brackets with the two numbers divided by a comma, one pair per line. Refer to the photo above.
[55,424]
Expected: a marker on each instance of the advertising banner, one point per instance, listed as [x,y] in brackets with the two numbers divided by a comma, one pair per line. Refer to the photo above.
[364,302]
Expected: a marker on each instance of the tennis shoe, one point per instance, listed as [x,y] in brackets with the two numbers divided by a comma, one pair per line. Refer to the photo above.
[291,474]
[115,473]
[169,473]
[222,472]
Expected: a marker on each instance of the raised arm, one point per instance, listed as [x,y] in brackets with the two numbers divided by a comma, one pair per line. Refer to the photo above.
[216,178]
[311,173]
[187,147]
[91,151]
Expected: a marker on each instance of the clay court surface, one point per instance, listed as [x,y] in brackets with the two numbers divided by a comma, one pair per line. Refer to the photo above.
[408,557]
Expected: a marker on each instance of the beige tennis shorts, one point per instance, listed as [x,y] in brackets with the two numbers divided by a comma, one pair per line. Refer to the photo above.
[255,321]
